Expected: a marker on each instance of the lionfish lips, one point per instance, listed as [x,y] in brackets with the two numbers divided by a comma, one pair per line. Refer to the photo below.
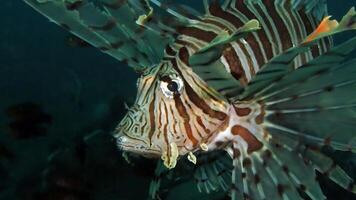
[125,143]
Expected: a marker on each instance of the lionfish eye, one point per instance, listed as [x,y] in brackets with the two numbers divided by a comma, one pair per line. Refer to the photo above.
[171,85]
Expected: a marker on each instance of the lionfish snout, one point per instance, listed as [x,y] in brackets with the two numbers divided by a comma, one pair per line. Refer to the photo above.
[120,140]
[132,133]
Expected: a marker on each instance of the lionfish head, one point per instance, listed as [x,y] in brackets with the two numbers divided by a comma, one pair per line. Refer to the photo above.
[174,113]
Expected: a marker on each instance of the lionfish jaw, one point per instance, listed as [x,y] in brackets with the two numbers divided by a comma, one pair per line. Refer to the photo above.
[127,144]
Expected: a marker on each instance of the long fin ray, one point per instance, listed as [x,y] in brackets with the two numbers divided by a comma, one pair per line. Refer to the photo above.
[118,28]
[284,168]
[327,166]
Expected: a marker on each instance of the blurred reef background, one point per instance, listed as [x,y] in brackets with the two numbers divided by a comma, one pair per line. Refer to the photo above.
[59,101]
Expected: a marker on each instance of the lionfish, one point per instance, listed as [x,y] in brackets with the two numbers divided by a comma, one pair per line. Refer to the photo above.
[260,79]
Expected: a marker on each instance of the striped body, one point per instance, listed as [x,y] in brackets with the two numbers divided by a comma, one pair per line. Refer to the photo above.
[282,28]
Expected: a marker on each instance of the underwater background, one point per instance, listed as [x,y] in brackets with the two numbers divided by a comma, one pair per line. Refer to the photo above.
[59,101]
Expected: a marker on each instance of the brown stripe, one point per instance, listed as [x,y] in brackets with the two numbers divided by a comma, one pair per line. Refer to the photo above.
[253,143]
[248,57]
[309,29]
[183,55]
[260,118]
[299,34]
[200,103]
[170,51]
[184,58]
[250,38]
[216,10]
[242,112]
[196,129]
[197,33]
[216,23]
[183,113]
[262,34]
[187,44]
[159,110]
[152,119]
[201,124]
[147,94]
[280,25]
[235,65]
[166,122]
[173,121]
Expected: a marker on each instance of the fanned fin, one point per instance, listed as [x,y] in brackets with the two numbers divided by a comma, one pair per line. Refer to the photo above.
[274,172]
[283,169]
[111,26]
[327,166]
[315,101]
[213,172]
[156,181]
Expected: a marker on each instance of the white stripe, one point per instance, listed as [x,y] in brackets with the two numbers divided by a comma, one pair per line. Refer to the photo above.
[226,65]
[244,19]
[302,30]
[243,59]
[265,28]
[194,42]
[288,23]
[252,55]
[274,28]
[206,26]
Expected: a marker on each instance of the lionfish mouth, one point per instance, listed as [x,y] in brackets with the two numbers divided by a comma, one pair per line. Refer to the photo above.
[127,144]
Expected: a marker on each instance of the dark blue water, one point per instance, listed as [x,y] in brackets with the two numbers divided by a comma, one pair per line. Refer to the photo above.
[78,95]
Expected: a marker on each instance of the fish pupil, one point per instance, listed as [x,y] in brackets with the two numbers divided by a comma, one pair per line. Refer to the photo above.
[173,86]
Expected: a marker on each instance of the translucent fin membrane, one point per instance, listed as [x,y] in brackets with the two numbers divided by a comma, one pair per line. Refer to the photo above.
[316,101]
[275,172]
[213,172]
[283,169]
[317,7]
[111,26]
